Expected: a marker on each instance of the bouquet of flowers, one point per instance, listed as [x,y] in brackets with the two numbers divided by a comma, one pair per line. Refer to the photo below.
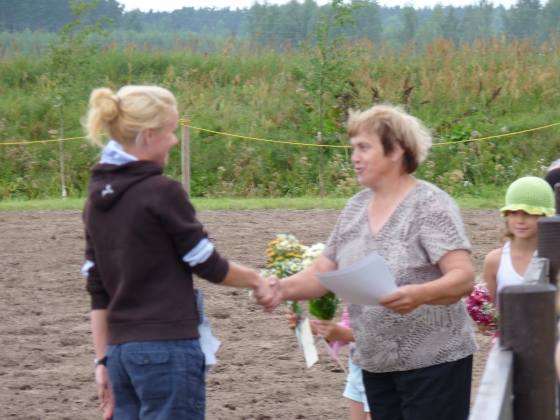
[285,256]
[479,306]
[288,256]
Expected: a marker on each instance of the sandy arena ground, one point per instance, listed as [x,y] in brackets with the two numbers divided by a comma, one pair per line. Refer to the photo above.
[46,369]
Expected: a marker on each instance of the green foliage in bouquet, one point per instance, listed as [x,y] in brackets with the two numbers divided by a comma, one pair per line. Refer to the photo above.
[325,307]
[294,306]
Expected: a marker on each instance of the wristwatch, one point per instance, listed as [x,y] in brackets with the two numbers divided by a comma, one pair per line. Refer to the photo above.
[103,361]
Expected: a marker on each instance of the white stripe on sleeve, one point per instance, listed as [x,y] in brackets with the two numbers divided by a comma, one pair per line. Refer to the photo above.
[200,253]
[86,267]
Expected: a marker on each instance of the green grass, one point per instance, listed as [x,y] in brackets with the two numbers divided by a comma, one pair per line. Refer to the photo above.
[470,203]
[201,204]
[204,204]
[301,203]
[35,205]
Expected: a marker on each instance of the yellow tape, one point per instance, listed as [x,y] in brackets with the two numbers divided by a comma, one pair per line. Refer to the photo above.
[40,141]
[185,123]
[497,136]
[263,140]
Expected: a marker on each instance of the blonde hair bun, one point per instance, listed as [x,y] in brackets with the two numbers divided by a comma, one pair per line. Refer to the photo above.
[126,114]
[107,103]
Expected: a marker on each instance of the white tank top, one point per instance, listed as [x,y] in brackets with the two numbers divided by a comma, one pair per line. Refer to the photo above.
[507,276]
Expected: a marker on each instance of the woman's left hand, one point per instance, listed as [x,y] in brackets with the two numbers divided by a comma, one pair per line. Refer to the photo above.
[404,300]
[331,331]
[105,393]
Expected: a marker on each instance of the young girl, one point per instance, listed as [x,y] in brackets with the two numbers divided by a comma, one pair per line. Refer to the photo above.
[341,334]
[527,199]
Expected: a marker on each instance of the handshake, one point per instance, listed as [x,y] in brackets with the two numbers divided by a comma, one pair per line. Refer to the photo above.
[268,292]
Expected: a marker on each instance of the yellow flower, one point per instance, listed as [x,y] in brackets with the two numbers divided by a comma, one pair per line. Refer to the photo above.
[280,259]
[270,265]
[289,254]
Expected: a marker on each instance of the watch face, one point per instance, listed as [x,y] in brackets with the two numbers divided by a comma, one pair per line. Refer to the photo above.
[98,362]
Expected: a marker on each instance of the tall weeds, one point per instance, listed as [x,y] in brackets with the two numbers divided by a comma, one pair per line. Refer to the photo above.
[241,88]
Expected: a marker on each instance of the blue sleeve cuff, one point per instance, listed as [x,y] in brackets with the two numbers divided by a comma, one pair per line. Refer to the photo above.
[200,253]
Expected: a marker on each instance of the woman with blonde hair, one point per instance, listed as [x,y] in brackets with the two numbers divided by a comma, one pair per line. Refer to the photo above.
[415,349]
[143,245]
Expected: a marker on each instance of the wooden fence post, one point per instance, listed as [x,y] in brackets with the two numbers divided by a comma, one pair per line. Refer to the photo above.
[321,180]
[61,154]
[186,155]
[549,239]
[528,328]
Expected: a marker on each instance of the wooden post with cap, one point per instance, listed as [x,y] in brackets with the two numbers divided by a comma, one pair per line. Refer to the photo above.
[528,328]
[548,239]
[186,155]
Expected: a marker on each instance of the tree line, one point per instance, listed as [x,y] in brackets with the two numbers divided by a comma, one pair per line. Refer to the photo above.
[51,15]
[295,21]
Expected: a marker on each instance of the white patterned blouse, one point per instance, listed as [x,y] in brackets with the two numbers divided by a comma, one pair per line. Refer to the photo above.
[426,225]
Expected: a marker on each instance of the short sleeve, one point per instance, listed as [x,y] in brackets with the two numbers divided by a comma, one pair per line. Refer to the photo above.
[331,246]
[442,228]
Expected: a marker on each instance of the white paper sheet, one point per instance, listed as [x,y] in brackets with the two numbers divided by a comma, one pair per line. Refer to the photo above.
[363,282]
[208,343]
[306,337]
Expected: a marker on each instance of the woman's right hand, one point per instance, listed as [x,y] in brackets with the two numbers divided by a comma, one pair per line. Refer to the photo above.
[291,319]
[268,293]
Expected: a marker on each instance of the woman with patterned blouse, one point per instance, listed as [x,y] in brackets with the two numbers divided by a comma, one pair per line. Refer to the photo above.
[416,348]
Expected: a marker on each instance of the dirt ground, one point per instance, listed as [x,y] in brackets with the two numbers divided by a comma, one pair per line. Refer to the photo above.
[46,369]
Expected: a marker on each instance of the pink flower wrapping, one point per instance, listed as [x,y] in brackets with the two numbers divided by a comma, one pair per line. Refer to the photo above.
[479,306]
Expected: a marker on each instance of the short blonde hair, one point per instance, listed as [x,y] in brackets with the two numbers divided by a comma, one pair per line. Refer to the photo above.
[393,125]
[126,114]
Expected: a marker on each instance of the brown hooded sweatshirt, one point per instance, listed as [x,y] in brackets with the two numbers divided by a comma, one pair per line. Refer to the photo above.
[140,225]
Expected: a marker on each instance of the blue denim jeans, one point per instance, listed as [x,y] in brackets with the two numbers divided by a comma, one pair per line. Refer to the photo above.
[157,380]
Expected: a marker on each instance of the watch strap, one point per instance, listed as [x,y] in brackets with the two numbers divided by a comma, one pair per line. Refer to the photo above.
[102,361]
